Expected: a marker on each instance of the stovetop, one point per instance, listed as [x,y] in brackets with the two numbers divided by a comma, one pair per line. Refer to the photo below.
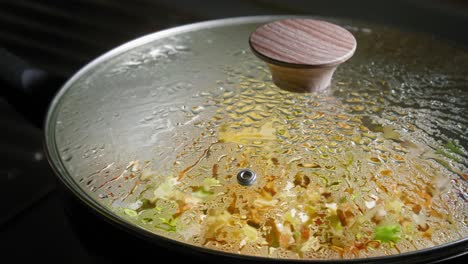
[36,217]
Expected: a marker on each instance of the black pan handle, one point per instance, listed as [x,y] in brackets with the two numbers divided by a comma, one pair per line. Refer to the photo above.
[28,88]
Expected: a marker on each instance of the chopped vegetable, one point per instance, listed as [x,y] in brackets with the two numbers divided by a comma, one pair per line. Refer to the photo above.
[168,224]
[447,155]
[454,147]
[335,182]
[206,190]
[250,233]
[387,233]
[166,189]
[130,212]
[201,193]
[147,174]
[209,183]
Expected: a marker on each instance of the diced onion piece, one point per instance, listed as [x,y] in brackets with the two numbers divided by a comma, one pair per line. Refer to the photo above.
[370,204]
[289,186]
[381,212]
[303,216]
[250,233]
[331,206]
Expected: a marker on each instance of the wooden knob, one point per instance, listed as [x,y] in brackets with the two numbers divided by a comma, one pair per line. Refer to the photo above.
[302,53]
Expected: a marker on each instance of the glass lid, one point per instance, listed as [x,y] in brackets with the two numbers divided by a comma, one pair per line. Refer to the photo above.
[184,135]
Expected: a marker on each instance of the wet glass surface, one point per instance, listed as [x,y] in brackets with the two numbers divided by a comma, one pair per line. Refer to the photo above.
[377,165]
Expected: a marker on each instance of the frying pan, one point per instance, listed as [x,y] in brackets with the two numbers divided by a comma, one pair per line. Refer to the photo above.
[108,115]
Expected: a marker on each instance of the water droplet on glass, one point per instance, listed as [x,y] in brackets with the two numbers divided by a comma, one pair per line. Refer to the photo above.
[239,53]
[249,93]
[182,48]
[244,109]
[89,182]
[67,157]
[228,94]
[197,109]
[65,149]
[258,86]
[256,116]
[366,30]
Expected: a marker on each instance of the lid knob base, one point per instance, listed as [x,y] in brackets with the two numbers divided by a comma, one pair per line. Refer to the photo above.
[302,80]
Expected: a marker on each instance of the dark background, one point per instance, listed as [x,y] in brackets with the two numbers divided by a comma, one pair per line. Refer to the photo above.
[62,36]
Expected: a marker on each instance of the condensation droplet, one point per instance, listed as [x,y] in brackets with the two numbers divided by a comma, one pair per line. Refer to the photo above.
[67,157]
[182,48]
[197,109]
[65,149]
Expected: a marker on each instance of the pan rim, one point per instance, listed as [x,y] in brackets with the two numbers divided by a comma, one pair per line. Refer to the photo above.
[438,253]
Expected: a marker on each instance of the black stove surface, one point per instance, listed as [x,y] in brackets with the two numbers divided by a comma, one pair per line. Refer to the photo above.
[37,218]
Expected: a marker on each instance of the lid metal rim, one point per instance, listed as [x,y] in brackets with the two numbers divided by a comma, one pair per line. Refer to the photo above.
[460,246]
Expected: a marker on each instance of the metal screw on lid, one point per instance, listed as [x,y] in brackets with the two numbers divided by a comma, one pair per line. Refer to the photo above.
[302,53]
[246,177]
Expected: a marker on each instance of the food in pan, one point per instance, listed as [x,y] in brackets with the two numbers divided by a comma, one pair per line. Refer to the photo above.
[333,180]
